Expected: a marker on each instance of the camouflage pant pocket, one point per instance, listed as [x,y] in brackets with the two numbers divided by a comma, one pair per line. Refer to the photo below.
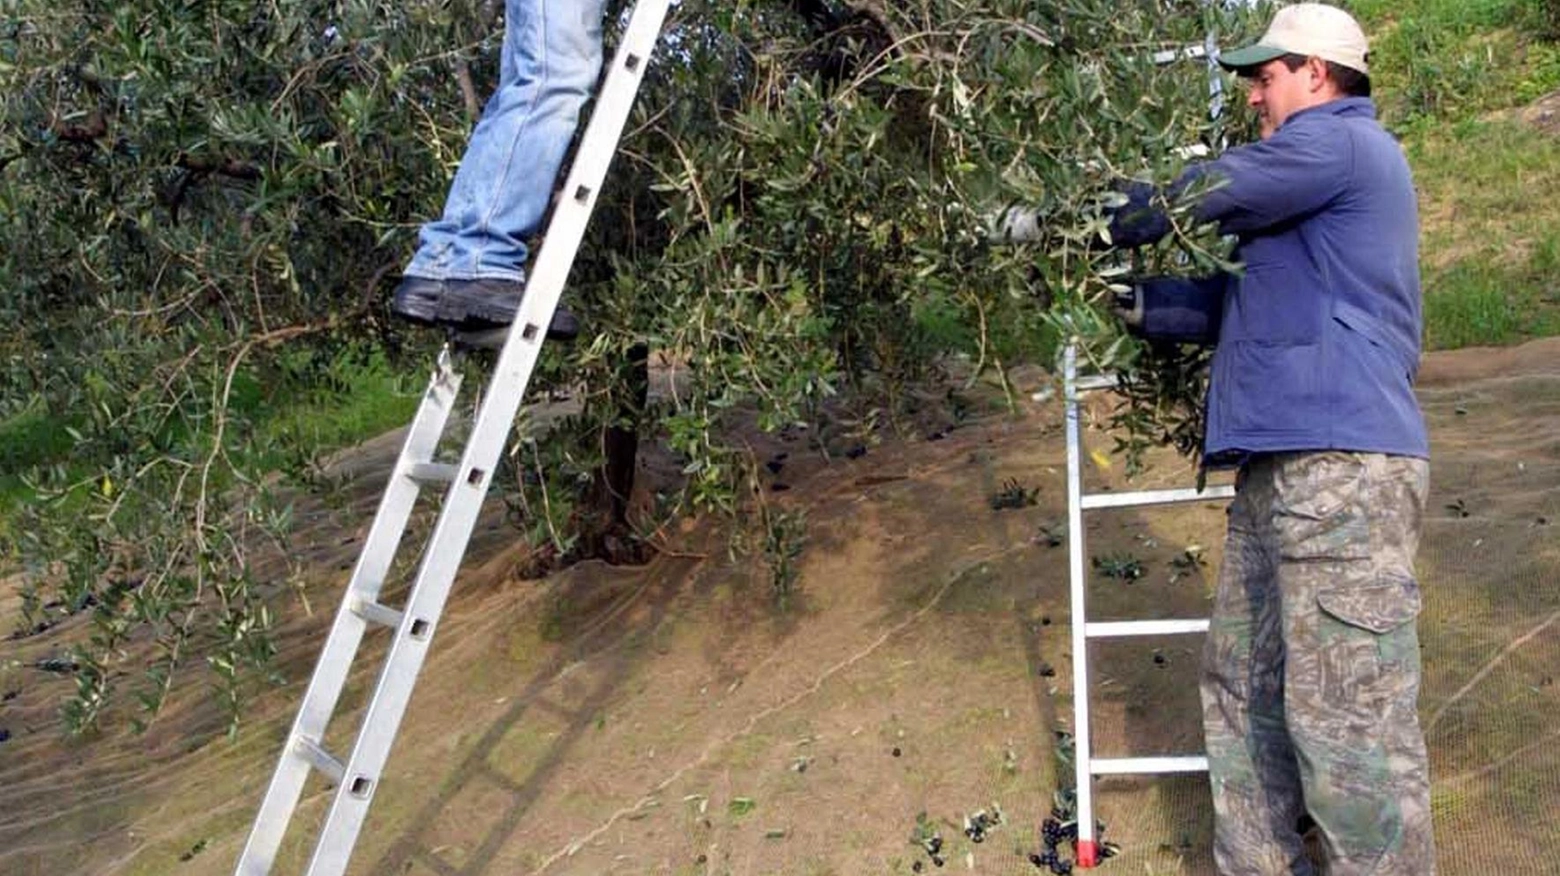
[1379,604]
[1320,510]
[1370,646]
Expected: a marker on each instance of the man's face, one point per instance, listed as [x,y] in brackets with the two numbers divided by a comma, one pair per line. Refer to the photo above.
[1276,92]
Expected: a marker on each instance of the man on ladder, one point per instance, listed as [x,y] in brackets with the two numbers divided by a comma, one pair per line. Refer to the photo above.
[1311,669]
[469,269]
[468,276]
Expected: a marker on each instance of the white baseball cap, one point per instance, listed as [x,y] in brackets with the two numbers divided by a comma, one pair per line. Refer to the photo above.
[1309,29]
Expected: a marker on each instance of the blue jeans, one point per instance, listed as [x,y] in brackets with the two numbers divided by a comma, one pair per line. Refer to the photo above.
[552,58]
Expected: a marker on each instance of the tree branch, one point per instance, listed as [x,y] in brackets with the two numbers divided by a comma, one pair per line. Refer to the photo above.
[229,167]
[175,196]
[371,288]
[95,127]
[468,89]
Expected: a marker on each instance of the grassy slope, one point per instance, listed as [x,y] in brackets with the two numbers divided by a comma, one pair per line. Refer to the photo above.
[1450,77]
[292,414]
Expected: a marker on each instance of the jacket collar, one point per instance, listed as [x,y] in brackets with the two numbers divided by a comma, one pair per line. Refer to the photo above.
[1355,107]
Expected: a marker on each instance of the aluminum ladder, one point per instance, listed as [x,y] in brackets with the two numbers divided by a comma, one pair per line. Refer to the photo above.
[1084,631]
[356,776]
[1086,765]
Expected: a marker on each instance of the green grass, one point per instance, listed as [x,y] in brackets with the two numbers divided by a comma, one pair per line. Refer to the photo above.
[32,437]
[28,439]
[1450,76]
[356,395]
[1482,305]
[1491,232]
[286,416]
[1444,60]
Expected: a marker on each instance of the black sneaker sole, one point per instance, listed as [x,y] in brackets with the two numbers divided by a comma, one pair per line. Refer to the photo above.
[493,337]
[480,339]
[477,313]
[475,310]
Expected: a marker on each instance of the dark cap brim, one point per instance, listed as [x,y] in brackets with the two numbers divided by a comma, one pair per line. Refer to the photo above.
[1250,57]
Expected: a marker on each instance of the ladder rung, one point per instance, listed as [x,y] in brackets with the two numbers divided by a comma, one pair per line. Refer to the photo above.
[1136,766]
[432,472]
[375,613]
[321,759]
[1156,497]
[1170,56]
[504,782]
[1124,629]
[1096,381]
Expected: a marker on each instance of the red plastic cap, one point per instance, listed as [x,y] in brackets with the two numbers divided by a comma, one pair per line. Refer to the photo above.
[1088,853]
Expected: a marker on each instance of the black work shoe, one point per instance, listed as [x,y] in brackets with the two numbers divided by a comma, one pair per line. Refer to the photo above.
[467,306]
[473,305]
[417,300]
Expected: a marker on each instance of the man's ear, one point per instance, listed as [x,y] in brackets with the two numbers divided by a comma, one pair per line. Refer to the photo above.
[1320,77]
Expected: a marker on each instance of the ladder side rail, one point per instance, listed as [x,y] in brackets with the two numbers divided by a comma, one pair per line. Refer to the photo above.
[1084,763]
[335,661]
[1082,745]
[502,402]
[1215,76]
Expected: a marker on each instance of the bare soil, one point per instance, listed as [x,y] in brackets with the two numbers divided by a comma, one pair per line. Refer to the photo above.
[668,719]
[1543,113]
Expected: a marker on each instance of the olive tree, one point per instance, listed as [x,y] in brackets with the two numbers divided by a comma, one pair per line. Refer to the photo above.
[204,203]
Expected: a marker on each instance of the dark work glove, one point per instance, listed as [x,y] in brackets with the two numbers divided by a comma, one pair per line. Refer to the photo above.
[1138,221]
[1174,309]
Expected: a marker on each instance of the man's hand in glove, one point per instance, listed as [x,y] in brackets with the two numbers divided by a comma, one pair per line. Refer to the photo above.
[1128,307]
[1176,309]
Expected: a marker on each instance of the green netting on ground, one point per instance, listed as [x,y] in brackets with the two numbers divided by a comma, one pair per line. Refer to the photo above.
[1491,627]
[1490,704]
[666,720]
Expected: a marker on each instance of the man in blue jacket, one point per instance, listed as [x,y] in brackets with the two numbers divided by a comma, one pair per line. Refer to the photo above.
[1311,668]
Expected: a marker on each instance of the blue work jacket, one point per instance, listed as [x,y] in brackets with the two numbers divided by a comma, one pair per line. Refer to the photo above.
[1318,338]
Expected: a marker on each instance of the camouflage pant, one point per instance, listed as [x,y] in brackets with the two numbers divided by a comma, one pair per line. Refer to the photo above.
[1311,671]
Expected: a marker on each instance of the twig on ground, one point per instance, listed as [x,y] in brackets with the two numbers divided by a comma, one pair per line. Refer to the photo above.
[1487,669]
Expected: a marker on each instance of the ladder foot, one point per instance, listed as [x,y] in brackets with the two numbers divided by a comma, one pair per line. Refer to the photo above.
[445,376]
